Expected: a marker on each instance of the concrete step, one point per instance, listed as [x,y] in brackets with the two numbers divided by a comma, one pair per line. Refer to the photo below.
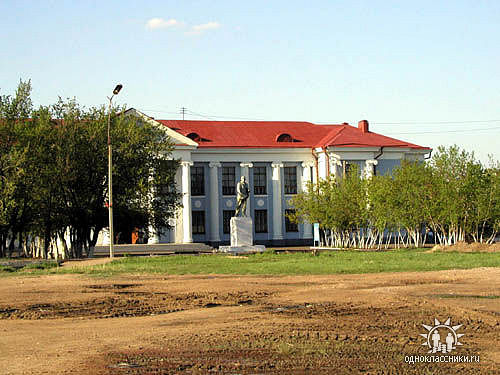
[162,248]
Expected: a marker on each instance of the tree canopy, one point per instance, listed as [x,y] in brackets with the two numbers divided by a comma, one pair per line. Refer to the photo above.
[450,198]
[53,174]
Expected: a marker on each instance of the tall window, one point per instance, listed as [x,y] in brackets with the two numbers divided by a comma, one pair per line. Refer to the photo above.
[260,221]
[226,220]
[290,180]
[290,226]
[198,222]
[228,181]
[349,167]
[259,180]
[197,180]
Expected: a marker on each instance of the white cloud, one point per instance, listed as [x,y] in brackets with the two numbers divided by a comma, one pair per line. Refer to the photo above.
[198,29]
[206,26]
[160,23]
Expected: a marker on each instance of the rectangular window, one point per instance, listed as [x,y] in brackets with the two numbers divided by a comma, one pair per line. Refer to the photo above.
[290,180]
[226,220]
[349,167]
[259,181]
[198,222]
[290,226]
[228,181]
[197,180]
[260,221]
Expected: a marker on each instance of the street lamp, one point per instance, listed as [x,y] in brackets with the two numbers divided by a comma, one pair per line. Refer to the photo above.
[110,174]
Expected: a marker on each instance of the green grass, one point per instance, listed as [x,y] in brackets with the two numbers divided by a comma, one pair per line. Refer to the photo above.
[464,296]
[269,263]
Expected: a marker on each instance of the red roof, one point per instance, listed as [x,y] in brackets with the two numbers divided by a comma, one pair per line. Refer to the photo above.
[264,134]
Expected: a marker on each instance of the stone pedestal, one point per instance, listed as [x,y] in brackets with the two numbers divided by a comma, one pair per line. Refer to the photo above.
[241,237]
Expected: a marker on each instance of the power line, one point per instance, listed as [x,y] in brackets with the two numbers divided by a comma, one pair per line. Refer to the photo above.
[155,110]
[448,131]
[185,111]
[227,117]
[432,122]
[201,115]
[205,115]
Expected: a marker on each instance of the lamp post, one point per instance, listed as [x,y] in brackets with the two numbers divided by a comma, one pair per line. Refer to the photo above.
[110,174]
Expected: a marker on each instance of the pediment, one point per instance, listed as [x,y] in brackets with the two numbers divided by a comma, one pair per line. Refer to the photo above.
[177,138]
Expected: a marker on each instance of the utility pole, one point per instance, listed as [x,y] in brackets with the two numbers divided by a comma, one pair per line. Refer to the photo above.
[183,111]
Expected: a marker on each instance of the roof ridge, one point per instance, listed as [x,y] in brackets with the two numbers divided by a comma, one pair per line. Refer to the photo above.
[329,137]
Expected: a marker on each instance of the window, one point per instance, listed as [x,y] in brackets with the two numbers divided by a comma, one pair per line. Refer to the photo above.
[198,222]
[290,180]
[289,226]
[226,220]
[284,138]
[195,137]
[197,180]
[259,180]
[228,181]
[349,167]
[260,221]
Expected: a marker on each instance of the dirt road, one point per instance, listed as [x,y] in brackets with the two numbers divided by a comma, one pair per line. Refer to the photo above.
[340,324]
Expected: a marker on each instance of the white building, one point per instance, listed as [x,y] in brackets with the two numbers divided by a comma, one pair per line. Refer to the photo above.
[278,158]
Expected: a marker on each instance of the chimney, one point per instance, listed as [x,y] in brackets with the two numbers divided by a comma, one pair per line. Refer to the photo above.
[363,126]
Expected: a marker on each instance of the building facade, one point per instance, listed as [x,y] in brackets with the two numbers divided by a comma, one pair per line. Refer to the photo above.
[277,158]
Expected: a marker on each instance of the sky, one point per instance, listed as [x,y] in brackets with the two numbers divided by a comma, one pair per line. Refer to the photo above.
[427,72]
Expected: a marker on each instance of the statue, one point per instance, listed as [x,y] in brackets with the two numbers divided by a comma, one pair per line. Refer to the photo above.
[242,192]
[242,226]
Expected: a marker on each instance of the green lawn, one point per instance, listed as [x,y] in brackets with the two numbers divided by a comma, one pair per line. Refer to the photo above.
[269,263]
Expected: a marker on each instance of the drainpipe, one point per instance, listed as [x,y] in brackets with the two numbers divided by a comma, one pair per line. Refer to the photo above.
[428,157]
[380,153]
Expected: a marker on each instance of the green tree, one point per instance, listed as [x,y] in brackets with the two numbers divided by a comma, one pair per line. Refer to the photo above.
[409,199]
[340,207]
[53,173]
[15,113]
[457,179]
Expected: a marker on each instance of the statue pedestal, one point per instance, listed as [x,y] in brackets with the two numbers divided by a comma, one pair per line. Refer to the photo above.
[241,237]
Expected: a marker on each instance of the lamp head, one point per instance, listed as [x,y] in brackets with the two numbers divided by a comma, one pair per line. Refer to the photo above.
[117,89]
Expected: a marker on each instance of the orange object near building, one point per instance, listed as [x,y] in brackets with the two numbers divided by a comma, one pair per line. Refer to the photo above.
[135,235]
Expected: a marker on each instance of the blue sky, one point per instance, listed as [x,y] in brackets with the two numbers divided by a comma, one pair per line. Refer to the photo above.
[424,71]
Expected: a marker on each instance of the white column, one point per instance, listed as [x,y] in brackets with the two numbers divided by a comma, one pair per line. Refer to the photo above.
[153,235]
[214,201]
[187,236]
[153,238]
[306,173]
[322,160]
[245,171]
[277,209]
[306,178]
[370,168]
[334,164]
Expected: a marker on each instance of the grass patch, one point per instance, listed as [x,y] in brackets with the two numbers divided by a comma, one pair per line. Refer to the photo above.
[20,266]
[5,269]
[269,263]
[41,266]
[464,296]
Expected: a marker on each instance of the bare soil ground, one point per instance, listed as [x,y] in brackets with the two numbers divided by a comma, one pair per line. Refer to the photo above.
[464,247]
[339,324]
